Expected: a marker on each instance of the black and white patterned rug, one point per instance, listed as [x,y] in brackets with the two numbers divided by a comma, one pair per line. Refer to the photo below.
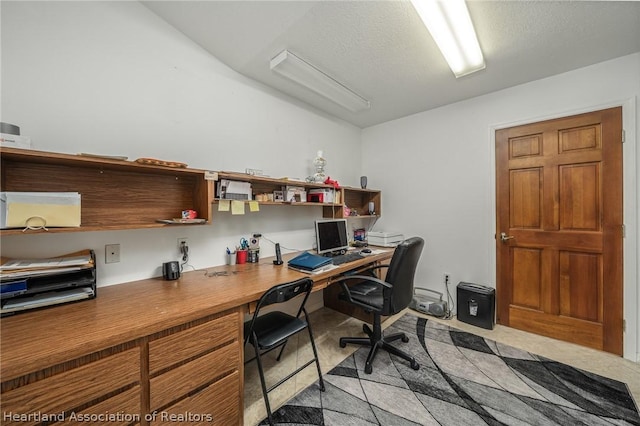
[463,379]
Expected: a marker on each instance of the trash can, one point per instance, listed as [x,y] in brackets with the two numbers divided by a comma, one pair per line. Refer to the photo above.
[476,305]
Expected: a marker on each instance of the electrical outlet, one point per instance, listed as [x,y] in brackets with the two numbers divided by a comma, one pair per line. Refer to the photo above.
[183,240]
[447,279]
[183,248]
[112,253]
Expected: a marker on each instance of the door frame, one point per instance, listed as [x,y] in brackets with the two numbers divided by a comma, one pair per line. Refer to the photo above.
[631,290]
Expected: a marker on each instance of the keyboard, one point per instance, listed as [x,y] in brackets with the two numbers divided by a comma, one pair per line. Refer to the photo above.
[346,258]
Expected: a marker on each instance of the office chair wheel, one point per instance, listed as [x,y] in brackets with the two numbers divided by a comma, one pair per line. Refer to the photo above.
[343,344]
[415,365]
[368,368]
[405,339]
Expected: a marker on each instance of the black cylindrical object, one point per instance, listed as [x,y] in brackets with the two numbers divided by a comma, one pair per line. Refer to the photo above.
[171,271]
[9,129]
[476,305]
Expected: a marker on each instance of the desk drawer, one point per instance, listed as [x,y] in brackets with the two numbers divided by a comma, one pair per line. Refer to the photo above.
[122,409]
[182,345]
[181,380]
[218,404]
[75,387]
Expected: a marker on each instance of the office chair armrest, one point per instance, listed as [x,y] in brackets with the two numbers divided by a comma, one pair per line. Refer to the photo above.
[347,292]
[377,267]
[341,280]
[374,268]
[359,272]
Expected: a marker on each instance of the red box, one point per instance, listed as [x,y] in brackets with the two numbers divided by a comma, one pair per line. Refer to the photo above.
[315,198]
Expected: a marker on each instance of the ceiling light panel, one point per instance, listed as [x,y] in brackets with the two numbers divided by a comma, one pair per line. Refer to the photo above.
[450,25]
[302,72]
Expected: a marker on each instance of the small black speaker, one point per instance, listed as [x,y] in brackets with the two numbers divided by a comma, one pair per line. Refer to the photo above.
[171,271]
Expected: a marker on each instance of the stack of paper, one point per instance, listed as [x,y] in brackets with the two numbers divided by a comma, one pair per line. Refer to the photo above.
[22,268]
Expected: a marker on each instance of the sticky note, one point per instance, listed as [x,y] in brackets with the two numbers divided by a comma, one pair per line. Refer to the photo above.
[223,205]
[254,206]
[237,207]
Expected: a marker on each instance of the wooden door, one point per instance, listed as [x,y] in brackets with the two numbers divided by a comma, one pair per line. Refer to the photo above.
[559,205]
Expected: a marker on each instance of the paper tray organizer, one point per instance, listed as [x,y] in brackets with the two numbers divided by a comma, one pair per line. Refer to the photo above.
[40,287]
[36,210]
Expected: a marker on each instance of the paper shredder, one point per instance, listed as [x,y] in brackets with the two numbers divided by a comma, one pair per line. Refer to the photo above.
[476,305]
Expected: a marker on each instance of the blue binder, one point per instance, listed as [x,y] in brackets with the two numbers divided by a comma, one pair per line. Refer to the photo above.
[309,261]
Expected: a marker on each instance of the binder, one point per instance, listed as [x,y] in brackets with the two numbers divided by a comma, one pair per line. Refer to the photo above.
[309,261]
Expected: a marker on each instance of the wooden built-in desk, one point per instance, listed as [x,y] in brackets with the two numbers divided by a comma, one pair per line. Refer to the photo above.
[143,350]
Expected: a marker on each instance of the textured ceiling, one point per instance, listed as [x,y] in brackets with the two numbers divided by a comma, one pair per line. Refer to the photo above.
[382,51]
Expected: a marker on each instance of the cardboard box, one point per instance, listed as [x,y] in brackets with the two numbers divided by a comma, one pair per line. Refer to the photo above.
[39,209]
[384,239]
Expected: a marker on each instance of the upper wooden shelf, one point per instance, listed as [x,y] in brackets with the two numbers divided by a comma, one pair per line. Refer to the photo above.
[356,199]
[115,194]
[244,177]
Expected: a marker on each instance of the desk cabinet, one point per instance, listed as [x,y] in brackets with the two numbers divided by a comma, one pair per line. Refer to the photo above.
[145,352]
[220,399]
[191,372]
[193,359]
[96,380]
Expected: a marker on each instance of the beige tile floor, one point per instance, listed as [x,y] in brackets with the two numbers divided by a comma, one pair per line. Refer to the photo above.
[329,325]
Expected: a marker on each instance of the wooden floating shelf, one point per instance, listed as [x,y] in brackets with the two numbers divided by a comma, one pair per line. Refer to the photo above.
[115,194]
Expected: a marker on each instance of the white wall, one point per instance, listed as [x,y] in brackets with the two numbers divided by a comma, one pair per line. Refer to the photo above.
[436,172]
[112,78]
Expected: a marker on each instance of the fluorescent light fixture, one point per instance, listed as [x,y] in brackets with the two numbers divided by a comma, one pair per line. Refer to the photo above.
[450,26]
[307,75]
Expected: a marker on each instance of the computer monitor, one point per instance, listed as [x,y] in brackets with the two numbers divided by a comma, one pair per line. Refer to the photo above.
[331,235]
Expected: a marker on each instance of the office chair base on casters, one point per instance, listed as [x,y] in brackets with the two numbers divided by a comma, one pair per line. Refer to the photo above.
[386,297]
[378,341]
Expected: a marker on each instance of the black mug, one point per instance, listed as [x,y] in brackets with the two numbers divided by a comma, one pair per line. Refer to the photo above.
[171,271]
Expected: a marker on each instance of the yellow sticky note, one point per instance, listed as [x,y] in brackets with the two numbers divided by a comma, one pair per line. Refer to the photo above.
[223,205]
[254,206]
[237,207]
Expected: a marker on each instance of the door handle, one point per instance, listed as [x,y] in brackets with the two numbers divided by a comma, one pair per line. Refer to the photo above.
[504,237]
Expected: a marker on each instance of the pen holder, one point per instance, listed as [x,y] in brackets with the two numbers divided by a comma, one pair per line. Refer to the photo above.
[241,256]
[231,258]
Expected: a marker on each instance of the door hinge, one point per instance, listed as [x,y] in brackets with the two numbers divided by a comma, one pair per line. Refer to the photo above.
[623,136]
[624,325]
[624,231]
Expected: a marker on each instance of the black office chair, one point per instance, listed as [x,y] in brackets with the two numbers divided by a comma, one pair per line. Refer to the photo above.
[273,329]
[386,297]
